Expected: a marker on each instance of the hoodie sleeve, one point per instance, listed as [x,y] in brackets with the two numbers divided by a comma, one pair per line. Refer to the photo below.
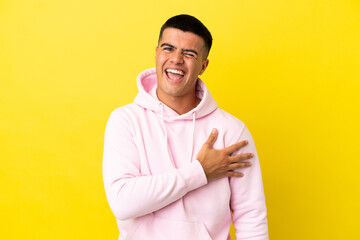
[247,197]
[129,193]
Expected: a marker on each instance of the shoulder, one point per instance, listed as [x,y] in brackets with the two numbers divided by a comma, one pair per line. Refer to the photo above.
[229,121]
[126,111]
[230,127]
[124,115]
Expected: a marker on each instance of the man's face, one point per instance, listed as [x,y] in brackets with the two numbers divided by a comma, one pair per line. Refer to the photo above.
[180,59]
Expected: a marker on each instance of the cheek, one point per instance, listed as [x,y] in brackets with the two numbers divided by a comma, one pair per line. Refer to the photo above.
[157,59]
[162,57]
[195,69]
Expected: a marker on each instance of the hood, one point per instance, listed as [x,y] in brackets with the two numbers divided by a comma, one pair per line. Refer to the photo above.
[147,80]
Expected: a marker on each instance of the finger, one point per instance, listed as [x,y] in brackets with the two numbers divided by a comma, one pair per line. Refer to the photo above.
[236,166]
[212,138]
[240,157]
[232,148]
[234,174]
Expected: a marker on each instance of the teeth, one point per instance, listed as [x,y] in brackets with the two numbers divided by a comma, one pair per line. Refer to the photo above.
[175,71]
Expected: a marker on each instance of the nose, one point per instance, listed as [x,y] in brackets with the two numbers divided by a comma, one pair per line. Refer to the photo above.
[177,57]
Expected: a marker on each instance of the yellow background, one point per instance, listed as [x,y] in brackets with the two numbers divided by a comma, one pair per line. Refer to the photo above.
[289,69]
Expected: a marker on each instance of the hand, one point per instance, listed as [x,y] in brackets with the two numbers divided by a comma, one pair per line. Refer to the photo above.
[220,163]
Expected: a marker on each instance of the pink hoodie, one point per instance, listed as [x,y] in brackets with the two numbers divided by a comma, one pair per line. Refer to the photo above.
[157,189]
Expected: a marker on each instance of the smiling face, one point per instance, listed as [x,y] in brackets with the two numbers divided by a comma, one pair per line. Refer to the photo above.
[180,59]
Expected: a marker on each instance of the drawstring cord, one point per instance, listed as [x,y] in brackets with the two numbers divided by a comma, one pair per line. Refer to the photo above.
[166,135]
[192,137]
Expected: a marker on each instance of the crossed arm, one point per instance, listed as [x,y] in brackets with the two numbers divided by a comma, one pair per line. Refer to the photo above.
[163,189]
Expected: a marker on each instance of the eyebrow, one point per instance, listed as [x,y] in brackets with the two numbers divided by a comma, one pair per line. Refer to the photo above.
[184,50]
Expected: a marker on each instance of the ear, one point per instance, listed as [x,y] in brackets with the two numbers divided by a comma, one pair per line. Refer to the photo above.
[204,66]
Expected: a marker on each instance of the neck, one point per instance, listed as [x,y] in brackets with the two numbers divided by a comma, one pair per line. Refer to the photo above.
[181,104]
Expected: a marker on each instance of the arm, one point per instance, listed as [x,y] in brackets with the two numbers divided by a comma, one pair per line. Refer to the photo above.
[247,197]
[128,192]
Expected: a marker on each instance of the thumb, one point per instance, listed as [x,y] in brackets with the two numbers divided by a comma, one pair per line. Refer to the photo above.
[212,138]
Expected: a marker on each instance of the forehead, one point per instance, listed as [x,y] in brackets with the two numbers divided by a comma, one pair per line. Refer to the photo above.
[181,39]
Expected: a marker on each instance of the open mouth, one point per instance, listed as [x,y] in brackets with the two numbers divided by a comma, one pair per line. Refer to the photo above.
[174,75]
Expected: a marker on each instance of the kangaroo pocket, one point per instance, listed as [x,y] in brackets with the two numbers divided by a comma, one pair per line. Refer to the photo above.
[165,229]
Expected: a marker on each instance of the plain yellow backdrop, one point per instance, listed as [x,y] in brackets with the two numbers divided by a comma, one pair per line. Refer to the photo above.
[289,69]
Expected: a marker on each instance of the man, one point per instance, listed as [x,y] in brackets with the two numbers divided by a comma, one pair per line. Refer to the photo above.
[175,165]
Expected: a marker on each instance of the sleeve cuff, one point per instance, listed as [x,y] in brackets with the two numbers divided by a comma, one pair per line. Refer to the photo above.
[193,175]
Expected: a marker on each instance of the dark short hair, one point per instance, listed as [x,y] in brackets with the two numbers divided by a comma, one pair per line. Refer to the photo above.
[188,23]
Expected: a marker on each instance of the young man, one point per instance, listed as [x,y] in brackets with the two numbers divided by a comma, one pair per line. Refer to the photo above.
[175,165]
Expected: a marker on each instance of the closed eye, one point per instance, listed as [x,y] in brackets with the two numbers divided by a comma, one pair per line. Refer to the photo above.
[189,54]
